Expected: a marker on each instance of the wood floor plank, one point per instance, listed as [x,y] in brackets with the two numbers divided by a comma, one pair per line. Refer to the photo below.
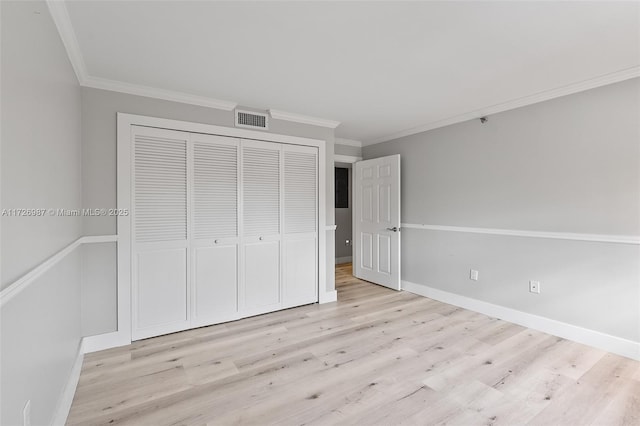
[376,356]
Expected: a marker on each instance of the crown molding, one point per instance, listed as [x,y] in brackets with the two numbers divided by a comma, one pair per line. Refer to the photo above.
[61,19]
[154,92]
[304,119]
[349,142]
[546,95]
[60,16]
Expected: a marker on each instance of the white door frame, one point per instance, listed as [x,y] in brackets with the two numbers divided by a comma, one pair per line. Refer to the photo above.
[348,159]
[122,336]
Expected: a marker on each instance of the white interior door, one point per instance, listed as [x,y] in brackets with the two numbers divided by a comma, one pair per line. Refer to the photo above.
[160,290]
[215,230]
[376,221]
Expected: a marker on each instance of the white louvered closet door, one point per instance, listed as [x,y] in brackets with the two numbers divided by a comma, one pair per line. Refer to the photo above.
[160,291]
[214,242]
[300,238]
[261,227]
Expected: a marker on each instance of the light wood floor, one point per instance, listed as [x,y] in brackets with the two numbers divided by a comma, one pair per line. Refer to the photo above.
[374,357]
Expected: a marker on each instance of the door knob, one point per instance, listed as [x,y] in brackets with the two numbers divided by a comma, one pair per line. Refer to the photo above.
[215,241]
[260,238]
[394,229]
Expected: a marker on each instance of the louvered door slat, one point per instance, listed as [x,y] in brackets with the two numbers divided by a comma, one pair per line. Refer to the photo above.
[300,191]
[261,190]
[160,193]
[215,189]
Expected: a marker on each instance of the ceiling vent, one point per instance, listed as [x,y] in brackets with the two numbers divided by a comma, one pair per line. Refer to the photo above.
[252,120]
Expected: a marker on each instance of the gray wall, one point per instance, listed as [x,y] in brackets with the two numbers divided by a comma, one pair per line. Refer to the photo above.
[344,221]
[99,296]
[40,138]
[41,123]
[353,151]
[571,164]
[40,340]
[99,109]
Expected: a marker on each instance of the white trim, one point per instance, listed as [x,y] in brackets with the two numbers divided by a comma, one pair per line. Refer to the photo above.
[60,15]
[348,142]
[345,259]
[585,336]
[88,239]
[337,158]
[545,95]
[211,129]
[66,397]
[601,238]
[304,119]
[100,342]
[331,227]
[24,281]
[156,93]
[328,297]
[322,218]
[63,23]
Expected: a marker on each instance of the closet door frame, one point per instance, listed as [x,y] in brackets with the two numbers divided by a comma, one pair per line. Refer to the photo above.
[123,336]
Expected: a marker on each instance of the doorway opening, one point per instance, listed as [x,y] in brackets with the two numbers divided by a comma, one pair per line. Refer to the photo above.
[343,213]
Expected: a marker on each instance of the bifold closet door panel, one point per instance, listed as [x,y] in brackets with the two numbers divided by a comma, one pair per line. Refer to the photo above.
[215,283]
[214,211]
[300,238]
[261,277]
[300,271]
[162,287]
[261,227]
[160,291]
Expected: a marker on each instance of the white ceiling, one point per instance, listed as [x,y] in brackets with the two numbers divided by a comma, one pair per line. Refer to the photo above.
[380,68]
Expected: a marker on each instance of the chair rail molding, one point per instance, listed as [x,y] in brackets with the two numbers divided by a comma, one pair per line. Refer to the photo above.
[23,282]
[599,238]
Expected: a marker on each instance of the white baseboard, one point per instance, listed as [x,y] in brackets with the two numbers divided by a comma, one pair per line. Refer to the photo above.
[100,342]
[69,391]
[607,342]
[328,297]
[345,259]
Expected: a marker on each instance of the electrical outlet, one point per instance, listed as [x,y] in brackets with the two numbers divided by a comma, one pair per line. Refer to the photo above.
[534,287]
[26,414]
[473,275]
